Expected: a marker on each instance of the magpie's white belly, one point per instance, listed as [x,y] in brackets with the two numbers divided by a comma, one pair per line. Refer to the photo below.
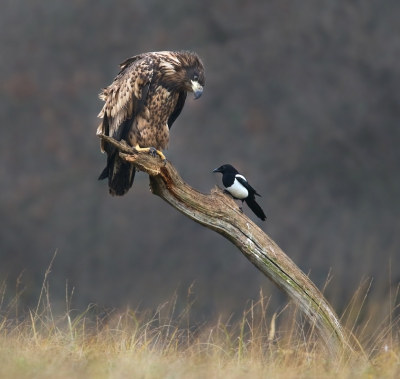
[237,190]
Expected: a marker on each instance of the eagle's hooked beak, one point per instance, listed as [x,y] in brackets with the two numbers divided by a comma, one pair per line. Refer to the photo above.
[197,89]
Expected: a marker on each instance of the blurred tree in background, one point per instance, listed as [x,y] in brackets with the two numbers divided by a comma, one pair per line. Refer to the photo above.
[302,97]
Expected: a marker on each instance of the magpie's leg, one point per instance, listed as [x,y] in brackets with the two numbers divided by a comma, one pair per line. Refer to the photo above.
[153,151]
[234,198]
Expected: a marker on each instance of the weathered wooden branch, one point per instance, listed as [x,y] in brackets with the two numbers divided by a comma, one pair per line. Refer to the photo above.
[219,212]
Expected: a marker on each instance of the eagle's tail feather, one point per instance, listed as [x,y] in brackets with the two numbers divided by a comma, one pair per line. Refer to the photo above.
[253,205]
[120,175]
[104,173]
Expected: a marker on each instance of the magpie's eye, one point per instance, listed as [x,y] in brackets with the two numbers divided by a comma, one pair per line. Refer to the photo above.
[195,78]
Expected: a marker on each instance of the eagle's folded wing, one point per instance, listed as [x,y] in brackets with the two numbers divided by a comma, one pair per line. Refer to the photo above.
[125,97]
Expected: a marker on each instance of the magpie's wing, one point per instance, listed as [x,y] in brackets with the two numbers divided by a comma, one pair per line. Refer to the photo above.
[246,184]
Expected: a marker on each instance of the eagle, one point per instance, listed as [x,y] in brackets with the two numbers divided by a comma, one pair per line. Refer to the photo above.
[141,104]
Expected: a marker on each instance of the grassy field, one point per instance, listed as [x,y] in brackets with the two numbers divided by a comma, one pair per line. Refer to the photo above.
[167,344]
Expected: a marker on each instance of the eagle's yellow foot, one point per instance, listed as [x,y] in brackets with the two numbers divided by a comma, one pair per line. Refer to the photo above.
[153,151]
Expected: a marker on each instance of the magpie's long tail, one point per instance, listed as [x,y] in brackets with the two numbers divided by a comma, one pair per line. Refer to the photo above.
[251,202]
[120,175]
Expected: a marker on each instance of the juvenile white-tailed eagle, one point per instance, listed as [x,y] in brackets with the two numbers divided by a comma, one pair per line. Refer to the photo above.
[141,105]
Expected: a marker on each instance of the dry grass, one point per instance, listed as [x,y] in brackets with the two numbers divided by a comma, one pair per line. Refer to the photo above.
[167,344]
[132,344]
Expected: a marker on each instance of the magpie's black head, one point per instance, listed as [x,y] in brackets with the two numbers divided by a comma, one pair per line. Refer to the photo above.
[226,168]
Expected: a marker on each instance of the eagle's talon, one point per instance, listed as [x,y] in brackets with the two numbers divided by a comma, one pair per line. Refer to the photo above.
[241,209]
[165,161]
[153,151]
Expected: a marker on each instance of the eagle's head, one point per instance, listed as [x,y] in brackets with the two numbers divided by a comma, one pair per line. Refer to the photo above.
[186,72]
[193,67]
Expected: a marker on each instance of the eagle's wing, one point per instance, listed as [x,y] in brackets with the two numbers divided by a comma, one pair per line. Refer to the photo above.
[125,97]
[178,108]
[130,60]
[246,184]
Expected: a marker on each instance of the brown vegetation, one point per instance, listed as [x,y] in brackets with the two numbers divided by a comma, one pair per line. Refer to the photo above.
[163,343]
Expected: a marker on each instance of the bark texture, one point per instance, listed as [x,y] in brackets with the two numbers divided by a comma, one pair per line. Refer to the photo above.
[219,212]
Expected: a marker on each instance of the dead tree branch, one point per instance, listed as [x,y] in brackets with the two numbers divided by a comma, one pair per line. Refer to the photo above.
[220,213]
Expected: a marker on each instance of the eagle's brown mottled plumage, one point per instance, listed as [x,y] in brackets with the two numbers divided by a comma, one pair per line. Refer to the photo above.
[141,105]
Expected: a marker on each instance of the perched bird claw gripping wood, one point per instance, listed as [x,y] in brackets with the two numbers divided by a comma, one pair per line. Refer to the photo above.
[153,151]
[141,105]
[239,188]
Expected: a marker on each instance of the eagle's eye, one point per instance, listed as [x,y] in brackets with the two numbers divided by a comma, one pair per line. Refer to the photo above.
[195,78]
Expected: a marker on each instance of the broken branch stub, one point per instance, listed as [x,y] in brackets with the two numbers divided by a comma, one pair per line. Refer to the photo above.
[220,213]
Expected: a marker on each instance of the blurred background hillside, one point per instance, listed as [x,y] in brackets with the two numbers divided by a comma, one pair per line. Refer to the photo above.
[302,97]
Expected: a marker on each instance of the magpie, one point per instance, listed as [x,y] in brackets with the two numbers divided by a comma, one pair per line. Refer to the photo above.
[240,189]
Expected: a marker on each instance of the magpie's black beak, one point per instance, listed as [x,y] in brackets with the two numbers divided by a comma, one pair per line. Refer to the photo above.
[217,169]
[198,93]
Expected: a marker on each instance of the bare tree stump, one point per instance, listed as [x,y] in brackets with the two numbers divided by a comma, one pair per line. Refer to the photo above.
[219,212]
